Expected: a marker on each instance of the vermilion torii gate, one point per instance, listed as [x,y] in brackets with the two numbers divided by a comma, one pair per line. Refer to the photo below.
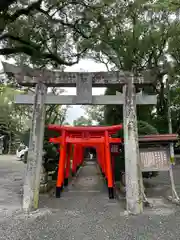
[80,137]
[83,81]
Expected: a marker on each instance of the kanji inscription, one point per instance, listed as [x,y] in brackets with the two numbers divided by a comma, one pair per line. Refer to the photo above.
[115,148]
[154,159]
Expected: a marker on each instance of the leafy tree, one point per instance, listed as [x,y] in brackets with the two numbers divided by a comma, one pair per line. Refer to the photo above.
[11,123]
[47,30]
[82,121]
[113,114]
[140,35]
[145,128]
[95,113]
[51,157]
[134,37]
[66,124]
[45,33]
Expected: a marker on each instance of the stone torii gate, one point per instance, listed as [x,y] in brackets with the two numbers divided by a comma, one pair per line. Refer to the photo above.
[83,81]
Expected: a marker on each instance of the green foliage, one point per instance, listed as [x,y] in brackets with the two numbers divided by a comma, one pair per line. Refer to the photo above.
[130,36]
[145,128]
[15,119]
[11,123]
[82,121]
[43,32]
[140,35]
[125,35]
[95,113]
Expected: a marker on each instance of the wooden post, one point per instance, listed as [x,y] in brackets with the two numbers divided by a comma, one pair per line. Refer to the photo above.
[68,164]
[104,159]
[34,159]
[109,166]
[74,163]
[134,203]
[113,168]
[61,166]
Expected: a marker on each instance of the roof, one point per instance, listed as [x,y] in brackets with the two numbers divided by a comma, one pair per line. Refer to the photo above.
[112,129]
[158,137]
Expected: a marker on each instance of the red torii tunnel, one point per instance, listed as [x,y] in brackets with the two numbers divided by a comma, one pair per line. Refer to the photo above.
[73,140]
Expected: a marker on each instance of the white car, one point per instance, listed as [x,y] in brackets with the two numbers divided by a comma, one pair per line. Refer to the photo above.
[20,152]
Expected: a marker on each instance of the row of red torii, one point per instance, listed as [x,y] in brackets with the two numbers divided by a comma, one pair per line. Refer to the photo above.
[76,139]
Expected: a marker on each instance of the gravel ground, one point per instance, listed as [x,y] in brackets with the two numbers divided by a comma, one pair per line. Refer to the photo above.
[84,211]
[11,181]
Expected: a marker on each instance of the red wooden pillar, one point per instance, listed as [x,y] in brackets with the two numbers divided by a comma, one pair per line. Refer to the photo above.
[74,163]
[81,157]
[83,149]
[61,167]
[78,156]
[109,166]
[98,156]
[105,164]
[103,159]
[113,169]
[68,164]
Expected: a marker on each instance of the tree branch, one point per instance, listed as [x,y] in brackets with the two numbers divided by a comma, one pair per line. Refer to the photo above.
[21,49]
[34,52]
[61,61]
[18,39]
[7,18]
[25,11]
[67,24]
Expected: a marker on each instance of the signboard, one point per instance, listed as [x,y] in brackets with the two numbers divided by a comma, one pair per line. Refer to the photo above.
[154,159]
[115,148]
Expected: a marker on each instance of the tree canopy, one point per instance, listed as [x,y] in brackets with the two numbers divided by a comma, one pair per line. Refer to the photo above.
[137,36]
[82,121]
[124,35]
[47,31]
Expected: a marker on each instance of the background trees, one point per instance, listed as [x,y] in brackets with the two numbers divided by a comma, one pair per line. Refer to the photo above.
[12,122]
[44,33]
[124,35]
[82,121]
[138,36]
